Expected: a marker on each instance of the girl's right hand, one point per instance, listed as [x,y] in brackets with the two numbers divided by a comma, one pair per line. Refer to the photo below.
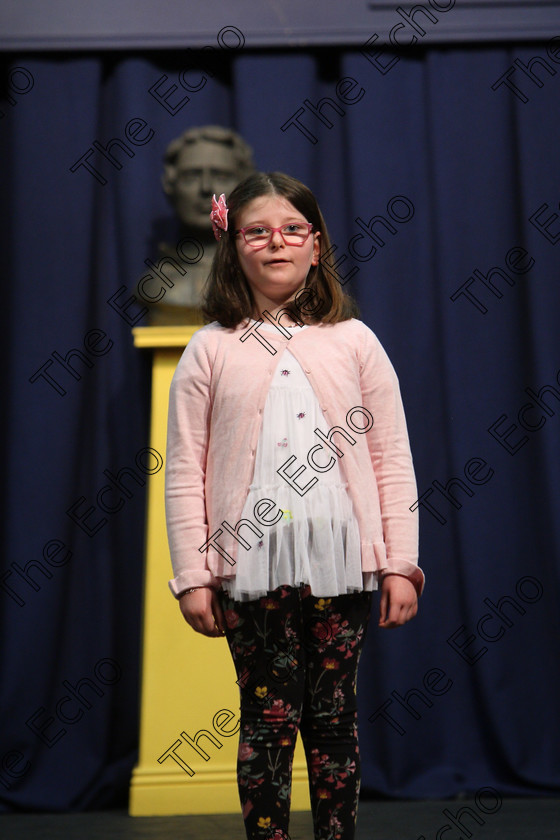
[201,609]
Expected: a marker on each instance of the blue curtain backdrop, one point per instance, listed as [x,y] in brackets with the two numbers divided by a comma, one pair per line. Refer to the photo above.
[459,280]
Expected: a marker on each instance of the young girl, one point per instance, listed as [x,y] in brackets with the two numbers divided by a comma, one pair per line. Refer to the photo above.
[289,484]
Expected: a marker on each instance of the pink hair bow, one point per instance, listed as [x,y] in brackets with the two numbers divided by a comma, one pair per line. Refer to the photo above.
[219,215]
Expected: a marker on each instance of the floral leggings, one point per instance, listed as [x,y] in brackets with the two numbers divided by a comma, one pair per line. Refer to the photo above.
[296,658]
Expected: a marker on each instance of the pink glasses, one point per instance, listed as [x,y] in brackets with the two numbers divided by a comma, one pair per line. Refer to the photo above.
[258,236]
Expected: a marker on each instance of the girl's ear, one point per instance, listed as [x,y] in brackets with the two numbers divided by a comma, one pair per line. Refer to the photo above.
[316,248]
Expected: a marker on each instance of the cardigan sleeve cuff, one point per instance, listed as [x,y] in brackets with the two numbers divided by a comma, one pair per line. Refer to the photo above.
[406,569]
[195,577]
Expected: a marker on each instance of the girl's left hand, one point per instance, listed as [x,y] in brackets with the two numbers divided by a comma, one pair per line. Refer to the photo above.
[399,601]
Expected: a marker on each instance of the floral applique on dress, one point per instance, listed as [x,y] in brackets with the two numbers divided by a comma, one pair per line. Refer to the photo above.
[301,415]
[283,442]
[285,372]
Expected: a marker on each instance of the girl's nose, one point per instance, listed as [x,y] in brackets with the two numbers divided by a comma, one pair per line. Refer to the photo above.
[276,239]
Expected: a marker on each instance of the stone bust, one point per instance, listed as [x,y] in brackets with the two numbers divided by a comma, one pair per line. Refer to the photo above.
[199,163]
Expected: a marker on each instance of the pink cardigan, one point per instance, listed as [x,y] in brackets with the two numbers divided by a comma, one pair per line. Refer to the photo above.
[216,402]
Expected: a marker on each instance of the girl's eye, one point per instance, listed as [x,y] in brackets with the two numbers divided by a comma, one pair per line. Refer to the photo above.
[294,228]
[256,231]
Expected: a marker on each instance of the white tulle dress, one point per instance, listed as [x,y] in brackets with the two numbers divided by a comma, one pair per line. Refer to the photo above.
[317,540]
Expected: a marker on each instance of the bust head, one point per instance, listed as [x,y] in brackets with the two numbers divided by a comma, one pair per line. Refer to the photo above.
[202,162]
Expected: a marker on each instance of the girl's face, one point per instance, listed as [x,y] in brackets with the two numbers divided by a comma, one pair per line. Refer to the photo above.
[275,272]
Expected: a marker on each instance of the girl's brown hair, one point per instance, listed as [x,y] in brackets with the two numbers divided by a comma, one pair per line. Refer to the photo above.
[227,297]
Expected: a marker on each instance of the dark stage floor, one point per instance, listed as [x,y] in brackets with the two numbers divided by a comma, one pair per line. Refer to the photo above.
[515,819]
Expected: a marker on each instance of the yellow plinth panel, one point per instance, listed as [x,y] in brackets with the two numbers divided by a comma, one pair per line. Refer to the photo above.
[189,717]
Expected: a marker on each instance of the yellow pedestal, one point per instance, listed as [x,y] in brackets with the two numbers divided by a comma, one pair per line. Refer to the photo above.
[187,678]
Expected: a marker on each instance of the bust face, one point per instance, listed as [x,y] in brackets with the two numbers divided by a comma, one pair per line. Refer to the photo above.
[204,168]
